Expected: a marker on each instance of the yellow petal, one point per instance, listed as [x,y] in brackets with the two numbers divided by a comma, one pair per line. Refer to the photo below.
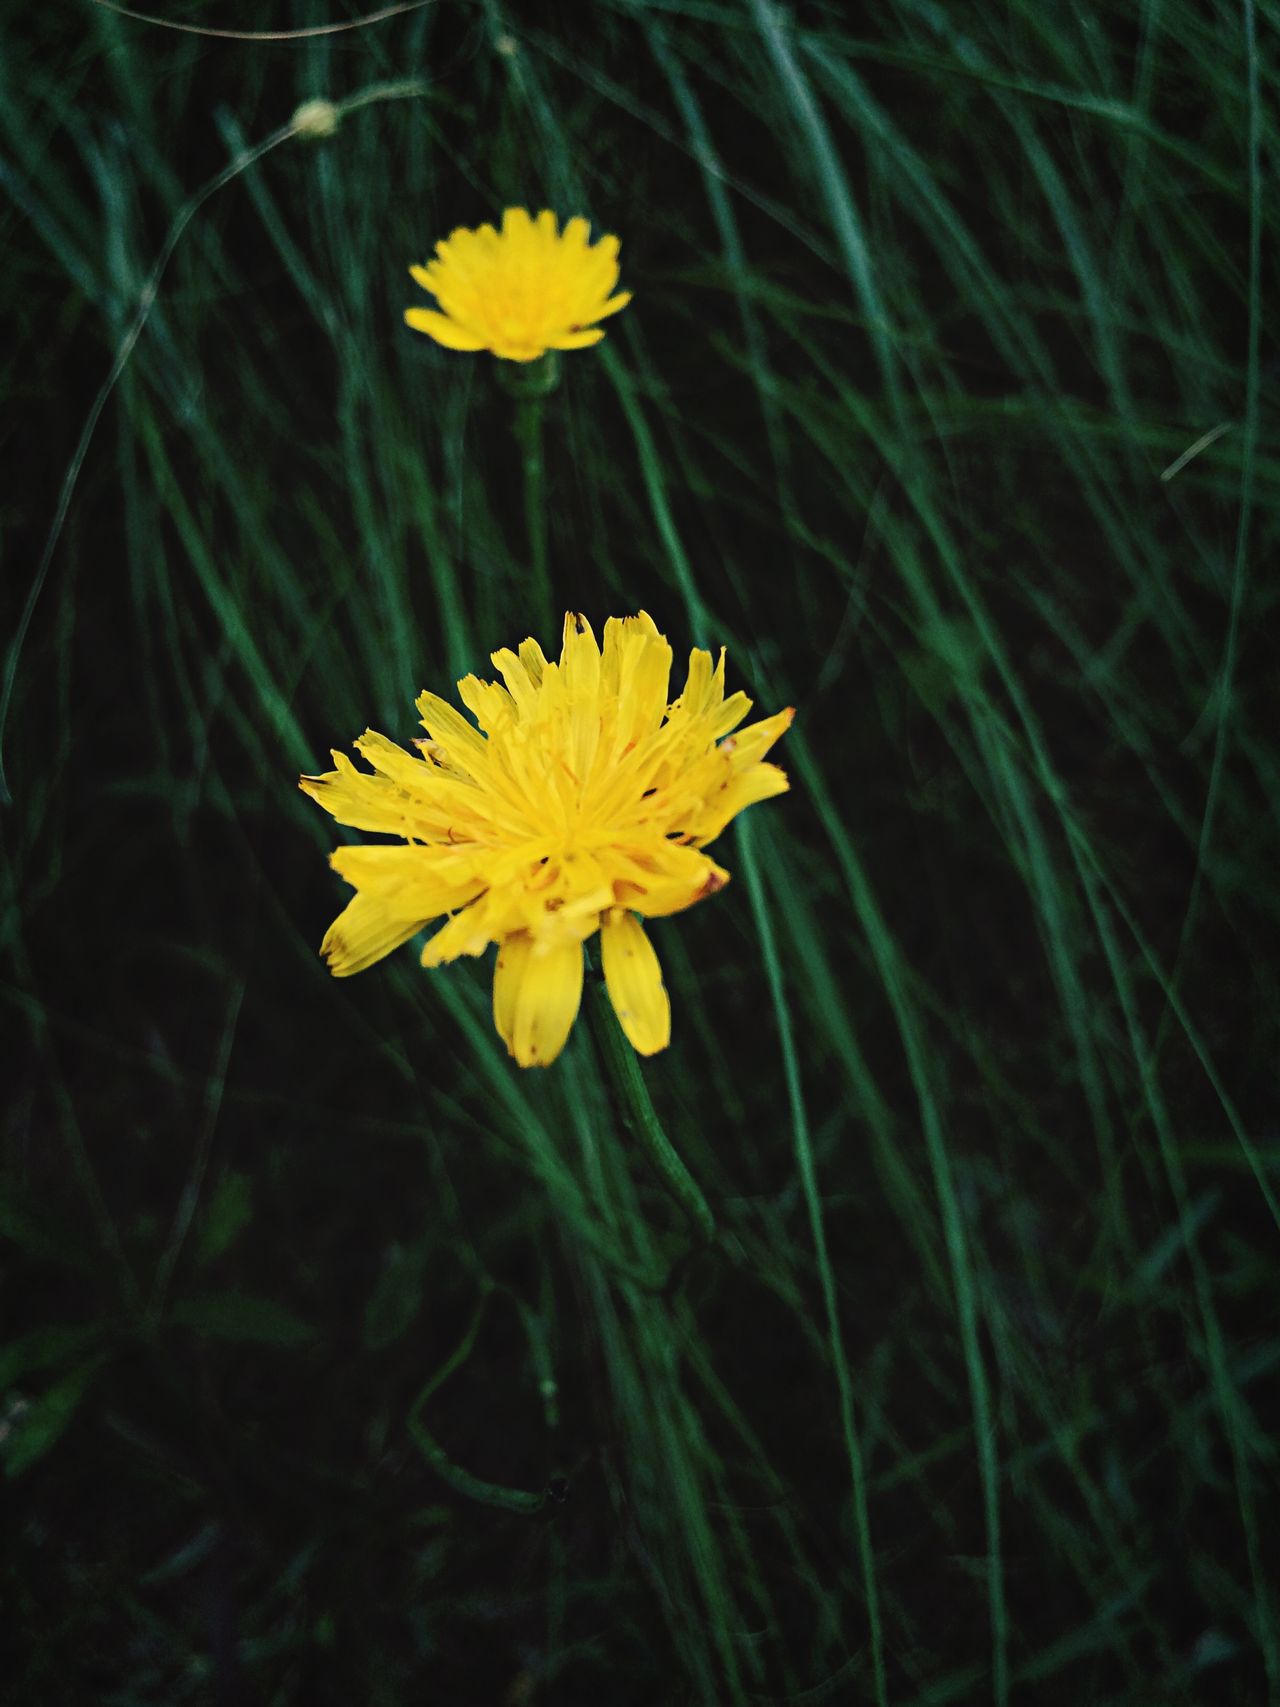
[491,706]
[508,975]
[579,656]
[614,305]
[546,1001]
[363,932]
[534,660]
[388,757]
[574,340]
[412,882]
[753,742]
[444,331]
[697,688]
[634,981]
[467,932]
[730,714]
[760,782]
[524,350]
[355,798]
[663,900]
[464,743]
[522,687]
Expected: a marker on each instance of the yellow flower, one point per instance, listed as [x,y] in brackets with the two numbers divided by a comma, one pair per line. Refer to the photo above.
[521,291]
[581,803]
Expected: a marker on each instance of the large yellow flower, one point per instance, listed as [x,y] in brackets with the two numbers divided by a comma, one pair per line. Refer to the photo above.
[521,291]
[581,803]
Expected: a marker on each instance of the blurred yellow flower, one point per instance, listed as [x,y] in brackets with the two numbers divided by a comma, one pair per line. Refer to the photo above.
[521,291]
[582,802]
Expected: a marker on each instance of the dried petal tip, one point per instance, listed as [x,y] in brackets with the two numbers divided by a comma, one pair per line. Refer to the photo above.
[315,120]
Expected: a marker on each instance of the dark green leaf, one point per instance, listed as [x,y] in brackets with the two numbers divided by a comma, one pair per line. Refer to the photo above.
[230,1211]
[397,1296]
[30,1431]
[241,1316]
[44,1347]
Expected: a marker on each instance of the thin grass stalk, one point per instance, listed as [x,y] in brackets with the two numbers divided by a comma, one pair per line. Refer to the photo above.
[623,1071]
[813,1203]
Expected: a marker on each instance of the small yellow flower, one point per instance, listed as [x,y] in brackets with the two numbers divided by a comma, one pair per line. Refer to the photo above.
[521,291]
[582,802]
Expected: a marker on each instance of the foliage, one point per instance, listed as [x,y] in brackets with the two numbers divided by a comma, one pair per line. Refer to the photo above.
[342,1360]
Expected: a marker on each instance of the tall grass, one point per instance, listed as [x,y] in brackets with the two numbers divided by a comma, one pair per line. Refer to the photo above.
[345,1361]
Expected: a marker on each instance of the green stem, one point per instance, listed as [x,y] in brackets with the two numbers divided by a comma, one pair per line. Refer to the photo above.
[529,432]
[530,385]
[627,1080]
[462,1481]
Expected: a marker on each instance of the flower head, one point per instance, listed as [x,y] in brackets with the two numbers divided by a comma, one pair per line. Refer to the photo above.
[521,291]
[582,802]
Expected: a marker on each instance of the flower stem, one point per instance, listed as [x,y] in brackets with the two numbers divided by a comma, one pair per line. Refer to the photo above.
[628,1081]
[530,385]
[529,433]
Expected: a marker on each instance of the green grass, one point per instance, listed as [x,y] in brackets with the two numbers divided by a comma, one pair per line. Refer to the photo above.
[342,1360]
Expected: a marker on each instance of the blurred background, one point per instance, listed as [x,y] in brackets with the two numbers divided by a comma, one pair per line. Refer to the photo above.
[343,1361]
